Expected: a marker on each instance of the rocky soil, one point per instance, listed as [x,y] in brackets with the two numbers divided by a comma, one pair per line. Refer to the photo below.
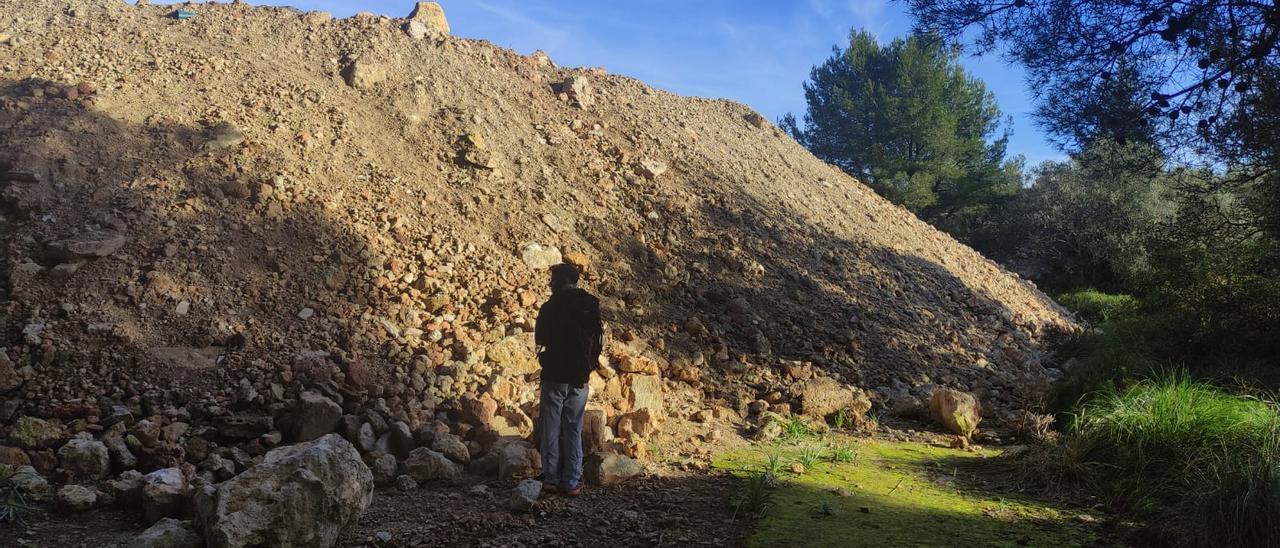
[253,227]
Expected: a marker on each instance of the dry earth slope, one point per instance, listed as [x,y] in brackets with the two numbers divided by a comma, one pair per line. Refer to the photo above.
[206,217]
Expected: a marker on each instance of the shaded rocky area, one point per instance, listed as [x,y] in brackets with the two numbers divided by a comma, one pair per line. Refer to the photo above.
[254,227]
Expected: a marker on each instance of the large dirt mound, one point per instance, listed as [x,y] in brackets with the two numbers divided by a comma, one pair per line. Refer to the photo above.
[209,215]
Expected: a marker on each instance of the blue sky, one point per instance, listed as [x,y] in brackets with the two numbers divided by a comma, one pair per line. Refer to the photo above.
[757,52]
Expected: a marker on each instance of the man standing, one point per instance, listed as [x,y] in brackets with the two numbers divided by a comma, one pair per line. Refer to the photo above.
[570,336]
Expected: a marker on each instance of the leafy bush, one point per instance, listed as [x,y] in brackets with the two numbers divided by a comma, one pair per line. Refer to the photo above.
[1202,461]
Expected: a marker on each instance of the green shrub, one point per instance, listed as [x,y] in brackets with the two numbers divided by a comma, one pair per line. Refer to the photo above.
[1097,307]
[1110,357]
[1204,462]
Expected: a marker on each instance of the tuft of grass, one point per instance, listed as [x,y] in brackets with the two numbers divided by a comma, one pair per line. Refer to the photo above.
[797,429]
[773,464]
[873,421]
[1203,462]
[809,457]
[843,454]
[753,498]
[842,419]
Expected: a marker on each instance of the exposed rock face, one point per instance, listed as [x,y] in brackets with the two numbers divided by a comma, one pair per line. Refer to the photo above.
[959,411]
[301,495]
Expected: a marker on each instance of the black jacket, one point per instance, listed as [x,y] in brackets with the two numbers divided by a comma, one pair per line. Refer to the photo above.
[571,336]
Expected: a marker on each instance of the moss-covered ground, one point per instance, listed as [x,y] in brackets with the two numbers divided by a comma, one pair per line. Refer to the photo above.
[901,494]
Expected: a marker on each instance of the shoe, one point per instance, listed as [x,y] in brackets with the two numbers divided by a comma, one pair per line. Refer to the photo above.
[574,491]
[549,488]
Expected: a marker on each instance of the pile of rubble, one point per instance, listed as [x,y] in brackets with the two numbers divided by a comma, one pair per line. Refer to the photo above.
[212,252]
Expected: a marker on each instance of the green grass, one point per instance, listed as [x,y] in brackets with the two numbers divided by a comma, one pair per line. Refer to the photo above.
[1097,307]
[754,497]
[902,494]
[1202,463]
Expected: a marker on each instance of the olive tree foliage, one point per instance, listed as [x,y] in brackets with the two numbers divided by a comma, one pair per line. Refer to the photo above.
[907,120]
[1092,221]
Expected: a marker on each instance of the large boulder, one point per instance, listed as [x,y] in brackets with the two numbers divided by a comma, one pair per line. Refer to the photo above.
[513,356]
[314,416]
[85,458]
[451,446]
[76,498]
[164,494]
[425,465]
[645,392]
[301,495]
[430,15]
[958,411]
[33,433]
[168,533]
[823,396]
[610,468]
[28,481]
[517,459]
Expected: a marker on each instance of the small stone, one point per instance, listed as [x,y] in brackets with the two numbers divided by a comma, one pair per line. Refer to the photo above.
[306,313]
[405,482]
[168,533]
[651,169]
[540,257]
[183,308]
[524,495]
[76,498]
[88,245]
[364,75]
